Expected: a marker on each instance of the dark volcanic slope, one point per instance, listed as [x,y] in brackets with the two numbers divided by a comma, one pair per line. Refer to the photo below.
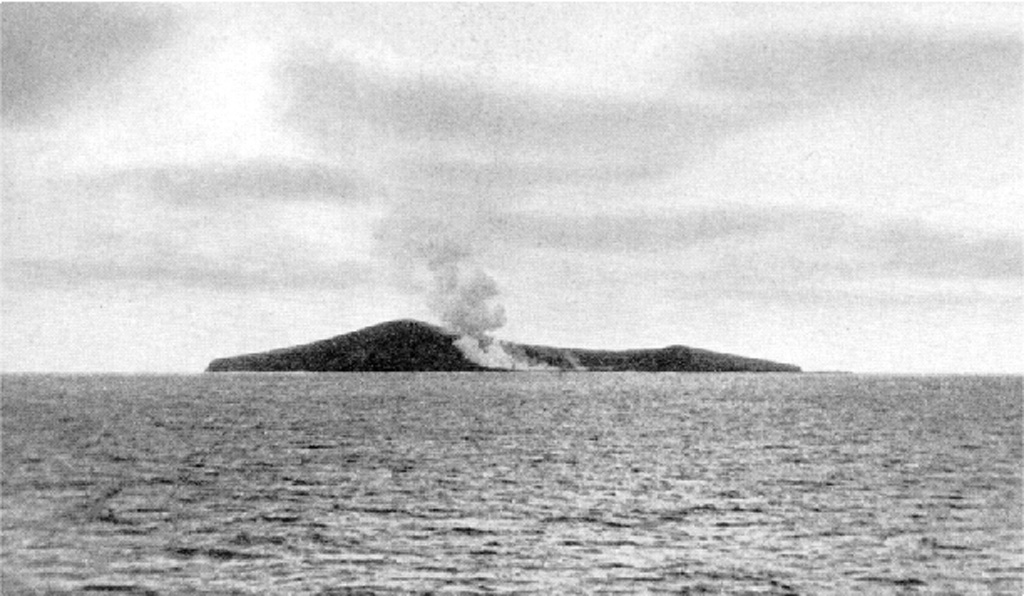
[414,346]
[394,346]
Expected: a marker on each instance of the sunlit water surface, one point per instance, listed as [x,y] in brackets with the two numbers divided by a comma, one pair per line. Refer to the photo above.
[512,483]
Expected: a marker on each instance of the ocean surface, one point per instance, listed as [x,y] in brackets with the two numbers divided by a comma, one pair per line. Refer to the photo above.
[576,483]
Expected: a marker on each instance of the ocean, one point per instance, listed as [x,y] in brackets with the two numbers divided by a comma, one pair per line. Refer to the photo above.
[574,483]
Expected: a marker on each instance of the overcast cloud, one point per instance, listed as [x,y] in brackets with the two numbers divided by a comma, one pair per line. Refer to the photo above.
[627,175]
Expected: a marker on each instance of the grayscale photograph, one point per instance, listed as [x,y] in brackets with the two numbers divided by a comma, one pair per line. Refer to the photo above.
[508,298]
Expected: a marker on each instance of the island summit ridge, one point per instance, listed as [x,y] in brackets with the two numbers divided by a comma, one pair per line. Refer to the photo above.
[409,345]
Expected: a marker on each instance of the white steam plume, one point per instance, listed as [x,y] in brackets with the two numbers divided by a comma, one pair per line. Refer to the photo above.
[461,294]
[464,297]
[443,218]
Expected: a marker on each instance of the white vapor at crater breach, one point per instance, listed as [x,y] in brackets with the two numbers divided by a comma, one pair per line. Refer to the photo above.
[444,215]
[425,234]
[464,298]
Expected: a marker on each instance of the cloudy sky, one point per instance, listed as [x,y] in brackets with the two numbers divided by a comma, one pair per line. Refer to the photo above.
[836,186]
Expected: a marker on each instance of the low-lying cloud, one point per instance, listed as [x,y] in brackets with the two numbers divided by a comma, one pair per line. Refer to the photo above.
[259,179]
[54,52]
[545,136]
[187,271]
[832,240]
[791,67]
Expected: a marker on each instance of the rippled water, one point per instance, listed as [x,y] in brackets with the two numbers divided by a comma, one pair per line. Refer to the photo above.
[546,483]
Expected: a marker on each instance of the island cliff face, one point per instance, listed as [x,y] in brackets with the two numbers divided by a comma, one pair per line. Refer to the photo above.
[408,345]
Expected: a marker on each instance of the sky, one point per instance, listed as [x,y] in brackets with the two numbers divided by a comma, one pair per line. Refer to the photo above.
[837,186]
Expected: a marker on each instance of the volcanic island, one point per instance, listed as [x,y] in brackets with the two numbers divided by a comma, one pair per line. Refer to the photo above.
[415,346]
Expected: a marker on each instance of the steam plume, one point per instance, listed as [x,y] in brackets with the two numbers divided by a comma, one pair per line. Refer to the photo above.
[442,221]
[463,296]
